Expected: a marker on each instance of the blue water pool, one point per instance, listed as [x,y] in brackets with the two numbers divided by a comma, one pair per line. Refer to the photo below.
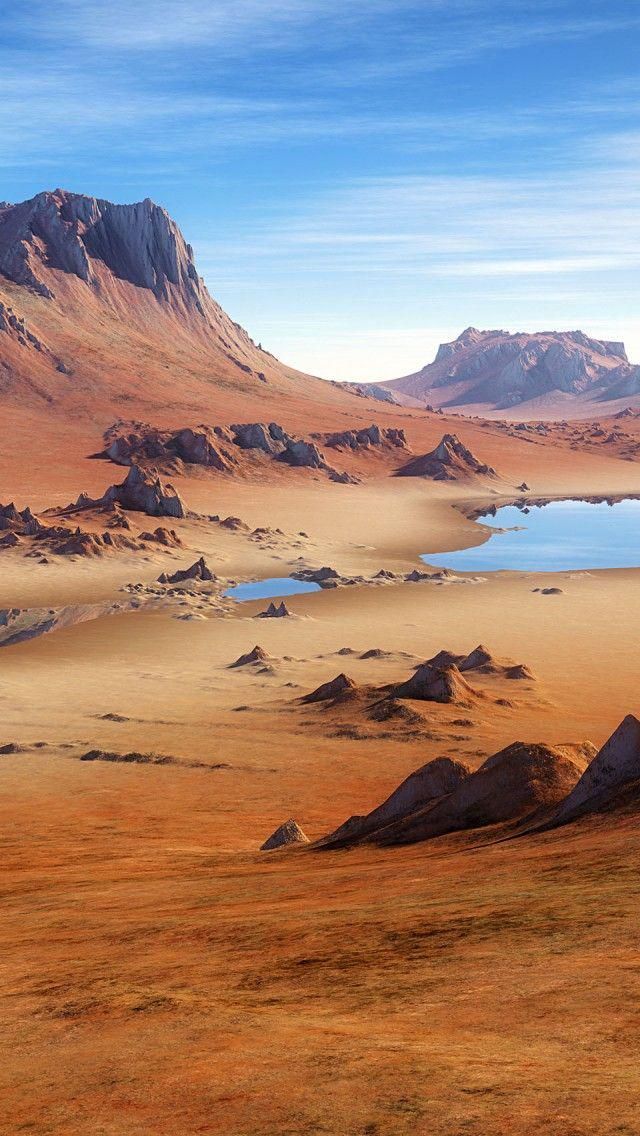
[556,537]
[273,588]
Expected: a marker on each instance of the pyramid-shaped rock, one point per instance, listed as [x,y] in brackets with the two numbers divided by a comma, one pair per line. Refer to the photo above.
[450,461]
[287,834]
[615,766]
[337,686]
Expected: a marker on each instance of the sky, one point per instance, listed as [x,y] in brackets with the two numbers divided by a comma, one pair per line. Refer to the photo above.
[360,179]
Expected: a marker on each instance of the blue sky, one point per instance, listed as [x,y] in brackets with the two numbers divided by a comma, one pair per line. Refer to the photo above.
[360,179]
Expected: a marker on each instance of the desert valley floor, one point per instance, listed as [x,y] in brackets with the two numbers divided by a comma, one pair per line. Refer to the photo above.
[161,974]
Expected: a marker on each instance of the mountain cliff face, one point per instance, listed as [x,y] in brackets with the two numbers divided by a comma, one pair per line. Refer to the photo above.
[102,304]
[497,370]
[66,231]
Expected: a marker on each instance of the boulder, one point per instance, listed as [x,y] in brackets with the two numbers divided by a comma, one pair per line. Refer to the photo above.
[287,834]
[197,447]
[303,454]
[255,436]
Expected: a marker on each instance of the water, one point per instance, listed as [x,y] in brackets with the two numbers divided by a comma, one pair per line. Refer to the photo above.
[275,587]
[557,537]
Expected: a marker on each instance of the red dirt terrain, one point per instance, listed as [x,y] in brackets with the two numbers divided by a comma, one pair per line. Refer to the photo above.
[362,863]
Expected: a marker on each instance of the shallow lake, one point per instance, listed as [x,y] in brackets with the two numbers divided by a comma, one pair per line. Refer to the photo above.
[556,537]
[275,587]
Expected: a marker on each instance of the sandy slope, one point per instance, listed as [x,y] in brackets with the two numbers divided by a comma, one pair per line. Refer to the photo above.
[161,975]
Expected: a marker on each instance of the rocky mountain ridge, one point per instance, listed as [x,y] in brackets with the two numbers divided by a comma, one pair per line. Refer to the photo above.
[498,370]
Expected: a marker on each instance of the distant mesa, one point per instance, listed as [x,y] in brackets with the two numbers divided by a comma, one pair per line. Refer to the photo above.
[286,835]
[498,370]
[450,461]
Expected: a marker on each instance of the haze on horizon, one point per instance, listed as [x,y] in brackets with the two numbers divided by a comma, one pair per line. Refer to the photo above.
[359,184]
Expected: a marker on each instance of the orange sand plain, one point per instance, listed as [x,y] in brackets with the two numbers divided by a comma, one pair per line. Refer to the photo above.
[161,975]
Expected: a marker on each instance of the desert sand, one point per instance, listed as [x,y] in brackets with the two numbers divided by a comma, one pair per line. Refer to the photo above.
[148,942]
[161,972]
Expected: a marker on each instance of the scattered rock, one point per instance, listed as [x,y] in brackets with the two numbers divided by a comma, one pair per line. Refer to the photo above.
[197,571]
[433,684]
[287,834]
[281,611]
[133,758]
[256,656]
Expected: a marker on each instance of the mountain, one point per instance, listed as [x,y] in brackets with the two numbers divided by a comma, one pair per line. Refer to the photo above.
[485,371]
[103,313]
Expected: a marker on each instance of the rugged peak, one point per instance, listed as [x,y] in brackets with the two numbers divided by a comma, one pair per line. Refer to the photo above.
[75,234]
[503,369]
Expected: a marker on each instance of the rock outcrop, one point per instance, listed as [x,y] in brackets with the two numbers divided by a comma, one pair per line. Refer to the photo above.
[142,492]
[214,446]
[433,780]
[256,657]
[279,611]
[336,688]
[198,571]
[366,438]
[138,243]
[521,782]
[287,834]
[450,461]
[614,768]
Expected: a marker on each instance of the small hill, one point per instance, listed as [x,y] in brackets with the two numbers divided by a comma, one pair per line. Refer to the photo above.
[336,688]
[450,461]
[497,370]
[519,782]
[433,684]
[435,779]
